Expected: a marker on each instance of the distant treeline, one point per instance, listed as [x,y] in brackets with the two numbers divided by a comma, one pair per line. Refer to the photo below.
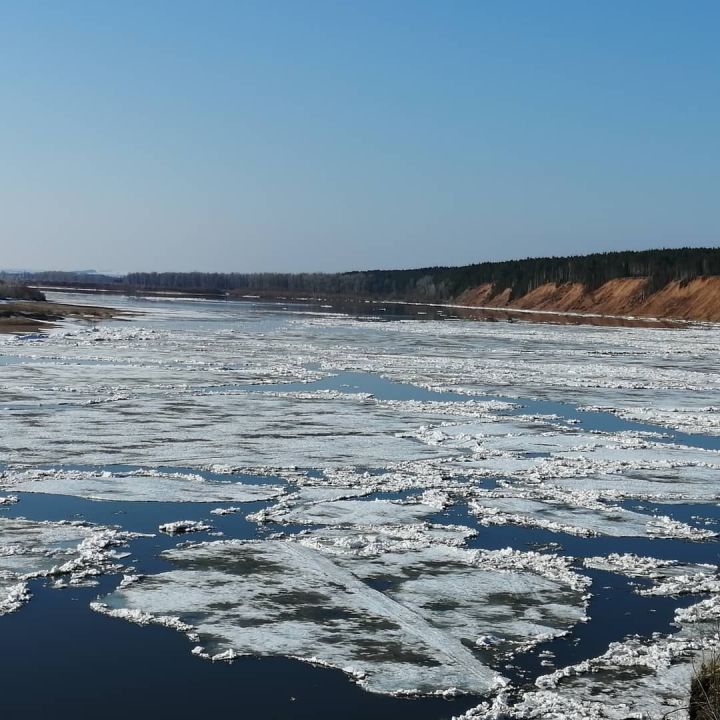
[62,277]
[444,283]
[432,283]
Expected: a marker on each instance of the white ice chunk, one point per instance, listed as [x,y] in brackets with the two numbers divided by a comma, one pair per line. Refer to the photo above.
[72,552]
[517,507]
[141,486]
[181,527]
[396,621]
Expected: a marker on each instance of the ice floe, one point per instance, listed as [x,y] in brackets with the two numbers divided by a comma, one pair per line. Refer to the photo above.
[397,620]
[575,513]
[181,527]
[145,486]
[646,680]
[349,512]
[68,552]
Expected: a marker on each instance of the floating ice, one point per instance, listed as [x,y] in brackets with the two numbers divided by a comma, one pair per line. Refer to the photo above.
[12,595]
[226,510]
[671,577]
[398,621]
[639,566]
[633,679]
[181,527]
[72,551]
[146,486]
[574,515]
[299,510]
[647,679]
[172,387]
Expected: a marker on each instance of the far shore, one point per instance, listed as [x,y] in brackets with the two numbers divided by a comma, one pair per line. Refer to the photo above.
[359,306]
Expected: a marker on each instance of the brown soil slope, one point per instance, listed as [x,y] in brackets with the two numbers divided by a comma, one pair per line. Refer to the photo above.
[698,299]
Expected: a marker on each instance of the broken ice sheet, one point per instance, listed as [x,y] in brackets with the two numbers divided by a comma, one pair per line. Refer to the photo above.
[182,527]
[634,678]
[147,486]
[669,576]
[30,549]
[693,418]
[661,482]
[302,508]
[615,466]
[580,514]
[163,379]
[398,622]
[181,427]
[646,678]
[642,566]
[631,371]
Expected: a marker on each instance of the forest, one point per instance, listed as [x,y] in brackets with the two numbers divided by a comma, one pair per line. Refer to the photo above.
[431,284]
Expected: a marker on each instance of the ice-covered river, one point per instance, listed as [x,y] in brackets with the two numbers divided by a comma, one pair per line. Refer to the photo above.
[288,512]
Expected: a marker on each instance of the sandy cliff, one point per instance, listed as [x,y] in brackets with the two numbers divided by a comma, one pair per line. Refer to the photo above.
[698,299]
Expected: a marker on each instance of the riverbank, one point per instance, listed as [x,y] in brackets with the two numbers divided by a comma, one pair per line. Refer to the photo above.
[32,316]
[694,300]
[462,309]
[625,302]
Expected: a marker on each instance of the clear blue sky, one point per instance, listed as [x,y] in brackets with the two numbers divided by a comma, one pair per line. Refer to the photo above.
[332,135]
